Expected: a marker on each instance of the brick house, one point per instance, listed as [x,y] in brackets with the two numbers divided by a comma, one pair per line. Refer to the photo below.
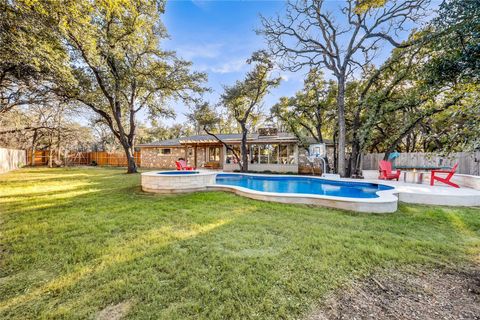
[267,151]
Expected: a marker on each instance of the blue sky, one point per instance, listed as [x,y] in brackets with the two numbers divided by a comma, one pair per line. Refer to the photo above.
[218,36]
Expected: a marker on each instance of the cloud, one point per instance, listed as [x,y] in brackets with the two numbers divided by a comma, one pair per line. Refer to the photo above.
[202,4]
[235,65]
[206,50]
[229,67]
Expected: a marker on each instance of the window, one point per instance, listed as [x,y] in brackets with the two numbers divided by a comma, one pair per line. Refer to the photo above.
[272,154]
[255,153]
[230,157]
[292,158]
[165,151]
[264,153]
[284,154]
[214,154]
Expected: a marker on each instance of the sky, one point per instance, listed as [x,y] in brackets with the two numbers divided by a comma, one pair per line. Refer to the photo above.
[219,36]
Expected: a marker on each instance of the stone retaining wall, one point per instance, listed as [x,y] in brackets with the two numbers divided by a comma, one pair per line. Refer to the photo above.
[176,183]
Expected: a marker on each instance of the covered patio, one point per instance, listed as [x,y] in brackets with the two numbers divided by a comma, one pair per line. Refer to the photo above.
[276,153]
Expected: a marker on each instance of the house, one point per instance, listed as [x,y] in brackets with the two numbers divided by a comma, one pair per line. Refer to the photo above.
[268,150]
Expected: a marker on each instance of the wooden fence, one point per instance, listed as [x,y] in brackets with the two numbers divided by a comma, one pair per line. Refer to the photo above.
[468,162]
[40,158]
[101,158]
[116,159]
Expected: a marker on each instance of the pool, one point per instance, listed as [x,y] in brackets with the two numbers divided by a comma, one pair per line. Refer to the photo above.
[302,185]
[178,172]
[344,194]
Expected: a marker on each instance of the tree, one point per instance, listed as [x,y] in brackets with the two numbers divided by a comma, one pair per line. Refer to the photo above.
[309,112]
[244,98]
[158,131]
[456,52]
[50,126]
[309,36]
[205,117]
[27,55]
[396,104]
[117,67]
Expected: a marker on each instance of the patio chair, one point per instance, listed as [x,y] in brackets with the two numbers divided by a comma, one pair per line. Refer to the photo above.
[182,165]
[385,169]
[434,176]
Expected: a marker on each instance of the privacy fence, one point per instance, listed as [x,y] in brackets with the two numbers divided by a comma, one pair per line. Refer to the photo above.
[101,158]
[468,162]
[11,159]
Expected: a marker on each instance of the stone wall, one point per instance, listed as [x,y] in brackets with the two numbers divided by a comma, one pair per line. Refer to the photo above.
[11,159]
[177,183]
[153,158]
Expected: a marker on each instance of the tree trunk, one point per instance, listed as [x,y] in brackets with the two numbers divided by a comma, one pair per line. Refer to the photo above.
[341,126]
[244,166]
[335,162]
[355,163]
[129,152]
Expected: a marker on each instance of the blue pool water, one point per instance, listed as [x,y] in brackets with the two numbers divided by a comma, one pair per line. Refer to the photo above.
[304,185]
[183,172]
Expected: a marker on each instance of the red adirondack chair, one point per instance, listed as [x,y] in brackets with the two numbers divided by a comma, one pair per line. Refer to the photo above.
[182,165]
[434,176]
[385,169]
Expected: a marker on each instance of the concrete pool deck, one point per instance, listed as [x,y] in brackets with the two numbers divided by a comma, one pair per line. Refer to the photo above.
[434,195]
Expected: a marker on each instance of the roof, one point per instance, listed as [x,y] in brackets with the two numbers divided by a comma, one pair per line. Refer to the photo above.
[234,138]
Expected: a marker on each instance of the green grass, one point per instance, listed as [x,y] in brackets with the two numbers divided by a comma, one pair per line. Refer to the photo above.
[74,241]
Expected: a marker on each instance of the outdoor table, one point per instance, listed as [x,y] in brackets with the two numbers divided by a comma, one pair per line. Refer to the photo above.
[414,176]
[420,168]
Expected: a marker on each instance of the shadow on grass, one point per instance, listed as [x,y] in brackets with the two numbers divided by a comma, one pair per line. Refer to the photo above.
[203,255]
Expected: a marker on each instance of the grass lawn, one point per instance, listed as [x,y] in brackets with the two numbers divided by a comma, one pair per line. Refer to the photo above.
[75,241]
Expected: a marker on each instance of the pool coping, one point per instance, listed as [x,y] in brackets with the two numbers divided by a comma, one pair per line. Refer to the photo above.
[176,174]
[387,201]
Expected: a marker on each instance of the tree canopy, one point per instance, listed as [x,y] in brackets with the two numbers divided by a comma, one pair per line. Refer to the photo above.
[114,64]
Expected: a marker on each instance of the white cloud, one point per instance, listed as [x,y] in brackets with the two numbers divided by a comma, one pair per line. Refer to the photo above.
[207,50]
[235,65]
[202,4]
[229,67]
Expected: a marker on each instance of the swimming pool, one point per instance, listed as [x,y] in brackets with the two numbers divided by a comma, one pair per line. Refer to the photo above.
[302,185]
[344,194]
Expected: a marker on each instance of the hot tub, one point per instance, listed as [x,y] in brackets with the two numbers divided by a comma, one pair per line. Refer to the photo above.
[177,181]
